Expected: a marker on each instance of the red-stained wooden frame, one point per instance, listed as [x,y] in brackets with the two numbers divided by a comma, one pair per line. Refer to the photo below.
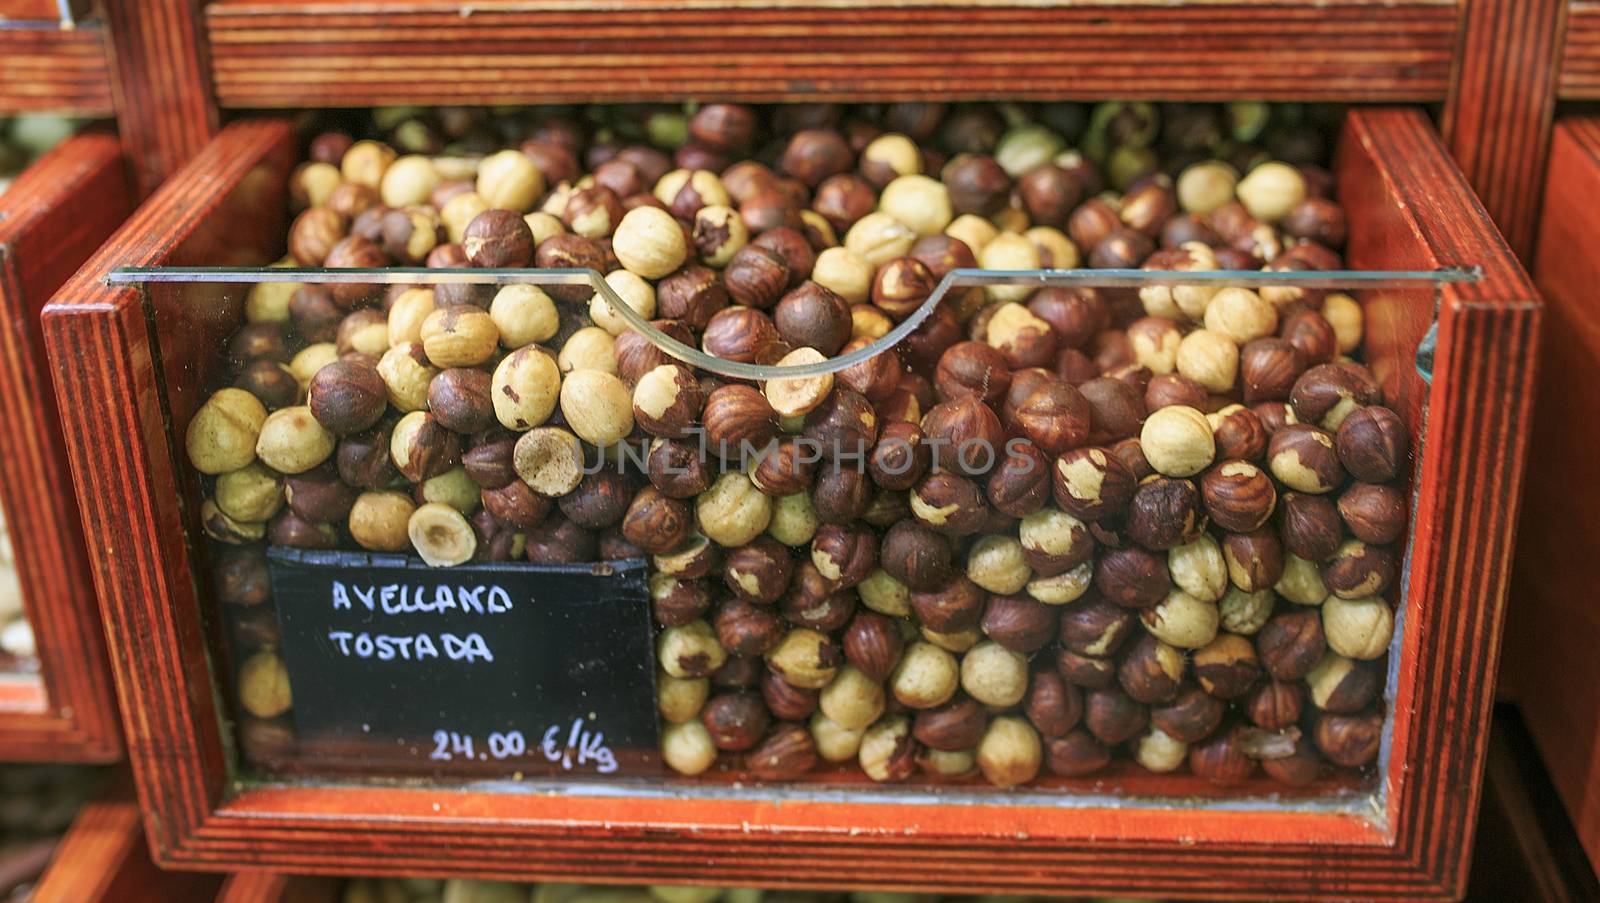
[127,394]
[1550,641]
[45,68]
[271,887]
[1580,58]
[103,858]
[53,217]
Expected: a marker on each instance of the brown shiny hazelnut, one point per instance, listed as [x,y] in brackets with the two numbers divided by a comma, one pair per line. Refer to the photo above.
[698,557]
[922,349]
[1113,716]
[1086,671]
[887,509]
[1328,393]
[1274,415]
[1151,671]
[1227,667]
[1316,219]
[1019,623]
[260,340]
[813,155]
[1255,559]
[557,540]
[319,495]
[747,629]
[738,672]
[949,503]
[1167,389]
[422,448]
[354,252]
[873,644]
[657,523]
[636,356]
[693,294]
[977,184]
[1298,769]
[813,317]
[1021,483]
[972,370]
[1310,334]
[844,553]
[1111,350]
[964,435]
[1095,627]
[814,602]
[1055,416]
[315,314]
[954,725]
[724,126]
[791,244]
[1116,409]
[787,701]
[1268,369]
[1076,315]
[1131,577]
[738,421]
[843,199]
[601,500]
[1358,570]
[347,396]
[676,469]
[954,607]
[314,233]
[916,556]
[760,571]
[1121,249]
[290,529]
[1275,705]
[515,505]
[498,239]
[736,721]
[756,276]
[785,468]
[742,334]
[1049,194]
[676,603]
[845,425]
[1222,758]
[667,401]
[1078,754]
[1374,512]
[1303,459]
[363,459]
[1372,444]
[459,399]
[1238,433]
[1291,643]
[943,253]
[1053,705]
[1191,716]
[1164,513]
[769,208]
[901,286]
[1091,483]
[621,177]
[876,378]
[1349,740]
[787,753]
[1238,495]
[1309,526]
[1343,685]
[842,494]
[568,250]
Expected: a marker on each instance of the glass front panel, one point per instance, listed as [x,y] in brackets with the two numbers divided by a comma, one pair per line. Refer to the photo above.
[994,458]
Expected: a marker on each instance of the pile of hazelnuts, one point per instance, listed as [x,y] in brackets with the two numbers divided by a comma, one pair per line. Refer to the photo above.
[1054,525]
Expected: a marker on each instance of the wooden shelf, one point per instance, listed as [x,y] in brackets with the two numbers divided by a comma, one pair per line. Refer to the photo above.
[434,51]
[1580,60]
[48,69]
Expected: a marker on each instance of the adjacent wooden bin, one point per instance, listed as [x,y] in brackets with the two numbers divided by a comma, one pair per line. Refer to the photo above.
[103,859]
[55,214]
[131,364]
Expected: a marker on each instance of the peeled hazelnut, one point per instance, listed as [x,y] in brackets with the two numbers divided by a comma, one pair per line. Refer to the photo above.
[1372,443]
[1182,620]
[549,460]
[888,752]
[1301,582]
[687,747]
[1245,613]
[690,650]
[460,336]
[1092,483]
[919,202]
[927,676]
[1199,569]
[422,448]
[1009,752]
[1358,628]
[1374,512]
[1291,644]
[1302,458]
[733,511]
[852,699]
[290,439]
[649,242]
[1342,685]
[1159,751]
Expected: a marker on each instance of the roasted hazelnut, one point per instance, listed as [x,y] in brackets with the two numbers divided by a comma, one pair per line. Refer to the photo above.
[1291,643]
[1303,459]
[1328,393]
[972,370]
[784,468]
[916,556]
[1372,443]
[842,494]
[1164,513]
[1316,219]
[843,199]
[1309,526]
[787,701]
[1021,484]
[347,396]
[736,721]
[756,276]
[747,629]
[1190,717]
[888,752]
[1091,483]
[1310,334]
[1076,755]
[690,650]
[1239,433]
[949,503]
[845,425]
[1019,623]
[787,753]
[792,245]
[924,346]
[813,155]
[676,469]
[1053,705]
[852,699]
[844,554]
[1121,249]
[1342,685]
[1112,716]
[954,606]
[694,294]
[354,252]
[1221,758]
[1358,570]
[1095,627]
[516,505]
[963,435]
[1238,495]
[1087,671]
[738,421]
[976,184]
[1227,667]
[872,643]
[951,726]
[498,239]
[362,332]
[1374,512]
[1268,369]
[1151,671]
[1116,409]
[813,317]
[1349,740]
[1182,620]
[1131,577]
[1168,389]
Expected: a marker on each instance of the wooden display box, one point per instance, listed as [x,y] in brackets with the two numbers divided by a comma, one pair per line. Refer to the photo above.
[52,218]
[132,363]
[103,858]
[1550,660]
[45,68]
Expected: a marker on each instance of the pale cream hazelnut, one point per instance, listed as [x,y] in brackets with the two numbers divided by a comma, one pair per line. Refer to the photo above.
[958,642]
[1301,582]
[524,315]
[805,659]
[264,685]
[795,521]
[884,594]
[308,360]
[292,441]
[453,488]
[406,374]
[378,521]
[649,242]
[997,564]
[509,180]
[1177,441]
[459,211]
[1358,628]
[1009,752]
[1209,358]
[818,228]
[852,699]
[365,162]
[948,763]
[408,180]
[926,676]
[268,302]
[798,396]
[880,238]
[1271,190]
[543,226]
[719,233]
[687,748]
[881,747]
[1245,613]
[835,742]
[1012,326]
[318,180]
[921,203]
[1056,250]
[222,435]
[1344,314]
[733,511]
[973,231]
[845,273]
[1183,302]
[1205,186]
[894,150]
[549,459]
[1240,316]
[702,182]
[251,493]
[1182,620]
[598,406]
[1155,345]
[1157,751]
[407,314]
[634,291]
[1062,588]
[680,699]
[525,388]
[994,675]
[690,650]
[1009,251]
[223,528]
[460,336]
[1326,676]
[1199,569]
[441,535]
[590,348]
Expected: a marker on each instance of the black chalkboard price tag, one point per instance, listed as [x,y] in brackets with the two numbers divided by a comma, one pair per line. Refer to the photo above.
[492,668]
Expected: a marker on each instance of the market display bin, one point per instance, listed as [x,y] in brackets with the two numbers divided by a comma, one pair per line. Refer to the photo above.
[1547,646]
[1450,334]
[57,704]
[103,858]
